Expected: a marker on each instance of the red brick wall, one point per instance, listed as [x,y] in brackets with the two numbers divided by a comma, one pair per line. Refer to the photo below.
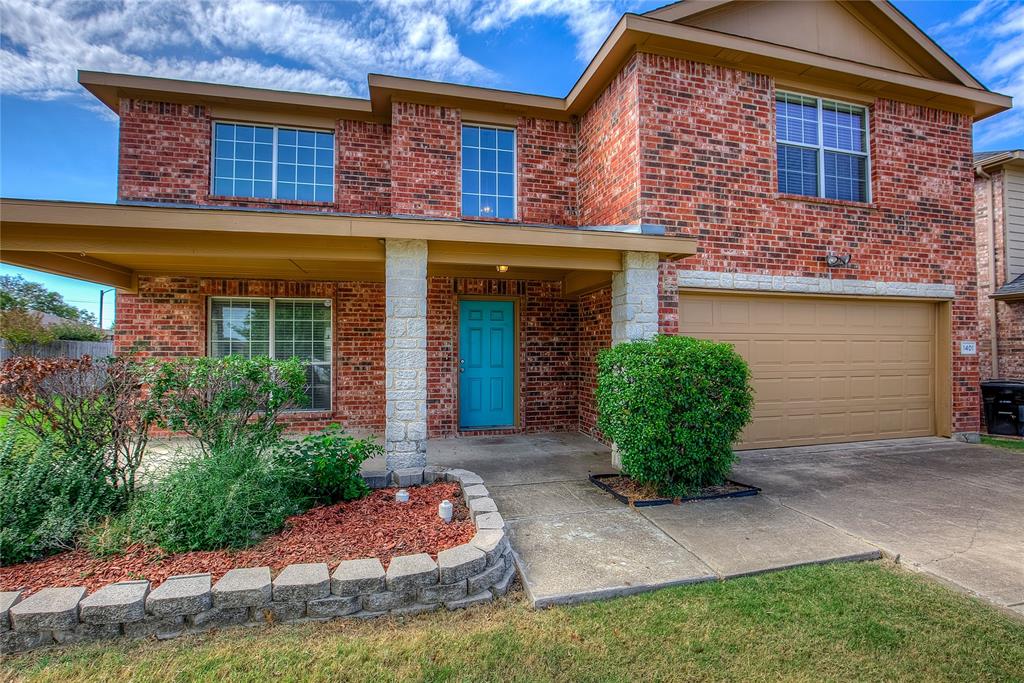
[708,170]
[425,160]
[164,156]
[609,183]
[595,333]
[164,152]
[167,318]
[548,387]
[546,152]
[363,169]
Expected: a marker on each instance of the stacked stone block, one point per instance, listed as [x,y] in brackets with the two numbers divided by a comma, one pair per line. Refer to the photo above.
[466,575]
[405,355]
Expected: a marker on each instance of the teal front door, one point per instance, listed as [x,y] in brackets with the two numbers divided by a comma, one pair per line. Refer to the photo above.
[486,364]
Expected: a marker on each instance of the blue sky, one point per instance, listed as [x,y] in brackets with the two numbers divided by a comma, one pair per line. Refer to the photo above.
[57,142]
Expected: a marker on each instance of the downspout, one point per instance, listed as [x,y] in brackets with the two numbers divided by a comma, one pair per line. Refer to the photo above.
[993,323]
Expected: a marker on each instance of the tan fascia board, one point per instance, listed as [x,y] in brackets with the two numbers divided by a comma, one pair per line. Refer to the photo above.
[637,33]
[681,10]
[25,212]
[73,265]
[110,87]
[387,89]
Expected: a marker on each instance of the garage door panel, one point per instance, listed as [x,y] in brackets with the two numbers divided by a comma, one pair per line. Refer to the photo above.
[826,370]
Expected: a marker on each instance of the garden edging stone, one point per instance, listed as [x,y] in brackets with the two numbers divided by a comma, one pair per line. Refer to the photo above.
[466,575]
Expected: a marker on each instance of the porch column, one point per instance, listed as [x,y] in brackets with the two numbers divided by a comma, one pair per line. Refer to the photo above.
[635,297]
[634,304]
[405,356]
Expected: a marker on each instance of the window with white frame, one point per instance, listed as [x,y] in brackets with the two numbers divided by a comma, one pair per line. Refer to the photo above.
[270,162]
[281,329]
[488,172]
[822,148]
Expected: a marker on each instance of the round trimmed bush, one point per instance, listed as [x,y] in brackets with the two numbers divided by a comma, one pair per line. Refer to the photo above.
[674,406]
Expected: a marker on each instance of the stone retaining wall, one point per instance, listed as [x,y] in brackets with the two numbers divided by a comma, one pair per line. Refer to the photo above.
[469,574]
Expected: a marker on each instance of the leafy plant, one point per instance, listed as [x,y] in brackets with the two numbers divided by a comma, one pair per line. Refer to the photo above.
[222,402]
[325,466]
[73,330]
[228,498]
[674,406]
[47,497]
[23,329]
[94,409]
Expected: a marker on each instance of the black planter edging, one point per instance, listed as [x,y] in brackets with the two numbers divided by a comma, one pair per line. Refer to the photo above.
[748,490]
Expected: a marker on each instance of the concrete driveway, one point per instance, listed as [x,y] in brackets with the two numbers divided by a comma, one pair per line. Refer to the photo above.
[950,509]
[953,510]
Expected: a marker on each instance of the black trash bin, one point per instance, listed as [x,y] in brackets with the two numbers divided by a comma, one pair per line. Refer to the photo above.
[1004,406]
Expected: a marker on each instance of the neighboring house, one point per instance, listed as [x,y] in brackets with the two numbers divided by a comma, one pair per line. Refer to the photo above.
[999,221]
[791,177]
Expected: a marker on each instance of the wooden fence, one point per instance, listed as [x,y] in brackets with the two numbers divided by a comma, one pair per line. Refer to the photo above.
[69,349]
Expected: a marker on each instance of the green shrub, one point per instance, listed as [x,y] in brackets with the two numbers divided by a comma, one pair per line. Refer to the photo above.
[47,497]
[74,330]
[23,329]
[222,402]
[229,498]
[325,466]
[674,406]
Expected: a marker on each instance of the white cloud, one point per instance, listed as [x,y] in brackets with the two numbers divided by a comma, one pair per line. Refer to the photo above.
[325,48]
[249,42]
[998,24]
[590,21]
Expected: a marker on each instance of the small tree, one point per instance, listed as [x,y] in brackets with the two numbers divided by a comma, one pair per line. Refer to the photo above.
[92,409]
[73,330]
[674,406]
[224,401]
[23,329]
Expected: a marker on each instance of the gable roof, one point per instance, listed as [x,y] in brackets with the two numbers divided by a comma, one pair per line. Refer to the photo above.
[930,81]
[870,30]
[1011,290]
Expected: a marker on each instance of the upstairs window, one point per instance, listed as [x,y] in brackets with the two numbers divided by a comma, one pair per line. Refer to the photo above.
[269,162]
[488,172]
[281,329]
[822,148]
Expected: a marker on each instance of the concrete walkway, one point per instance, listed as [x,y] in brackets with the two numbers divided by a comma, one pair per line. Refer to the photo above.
[951,509]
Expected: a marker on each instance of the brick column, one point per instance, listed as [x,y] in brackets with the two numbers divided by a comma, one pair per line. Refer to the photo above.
[635,297]
[406,353]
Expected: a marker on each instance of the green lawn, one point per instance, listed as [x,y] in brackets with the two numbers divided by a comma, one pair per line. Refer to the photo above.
[1012,444]
[866,622]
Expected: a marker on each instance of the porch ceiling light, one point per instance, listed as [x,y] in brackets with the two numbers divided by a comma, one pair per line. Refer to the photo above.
[502,269]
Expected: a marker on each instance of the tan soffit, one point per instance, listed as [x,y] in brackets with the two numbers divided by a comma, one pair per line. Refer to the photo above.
[948,86]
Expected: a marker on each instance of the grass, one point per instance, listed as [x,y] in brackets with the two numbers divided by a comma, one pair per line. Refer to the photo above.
[865,622]
[1010,444]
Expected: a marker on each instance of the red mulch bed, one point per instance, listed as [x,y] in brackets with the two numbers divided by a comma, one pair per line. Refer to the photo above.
[375,526]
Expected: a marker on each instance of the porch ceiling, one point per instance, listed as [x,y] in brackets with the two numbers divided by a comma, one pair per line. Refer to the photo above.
[113,244]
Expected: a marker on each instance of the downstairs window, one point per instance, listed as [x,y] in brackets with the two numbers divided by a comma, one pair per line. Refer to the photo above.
[280,329]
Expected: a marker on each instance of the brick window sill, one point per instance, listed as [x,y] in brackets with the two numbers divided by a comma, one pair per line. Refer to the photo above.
[804,199]
[222,199]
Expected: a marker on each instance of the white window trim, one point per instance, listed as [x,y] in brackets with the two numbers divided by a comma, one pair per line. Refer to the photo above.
[273,162]
[273,300]
[515,168]
[821,148]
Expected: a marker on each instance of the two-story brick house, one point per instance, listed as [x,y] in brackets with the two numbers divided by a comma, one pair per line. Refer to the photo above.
[795,178]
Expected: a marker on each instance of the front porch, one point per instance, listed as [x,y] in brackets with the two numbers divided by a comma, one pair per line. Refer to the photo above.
[393,343]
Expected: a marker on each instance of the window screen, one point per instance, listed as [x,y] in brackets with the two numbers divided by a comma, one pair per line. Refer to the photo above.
[488,172]
[270,162]
[821,147]
[281,329]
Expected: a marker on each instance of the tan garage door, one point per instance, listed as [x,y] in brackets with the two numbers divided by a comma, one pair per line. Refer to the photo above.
[826,370]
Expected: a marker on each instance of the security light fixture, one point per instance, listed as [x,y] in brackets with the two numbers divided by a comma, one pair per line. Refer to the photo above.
[835,261]
[502,269]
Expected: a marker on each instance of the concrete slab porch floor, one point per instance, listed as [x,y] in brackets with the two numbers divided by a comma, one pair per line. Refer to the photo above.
[950,509]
